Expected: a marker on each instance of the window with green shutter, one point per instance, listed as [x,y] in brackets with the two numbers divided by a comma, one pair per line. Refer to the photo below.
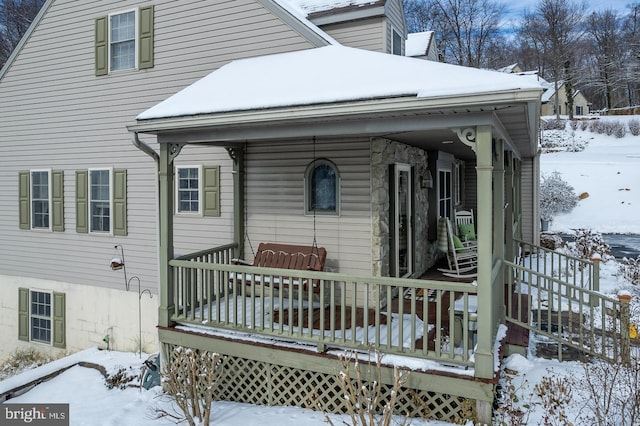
[124,41]
[101,201]
[198,190]
[41,317]
[41,200]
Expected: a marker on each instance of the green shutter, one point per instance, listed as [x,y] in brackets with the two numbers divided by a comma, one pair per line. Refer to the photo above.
[82,201]
[23,314]
[211,191]
[120,202]
[59,326]
[57,200]
[145,38]
[24,179]
[101,46]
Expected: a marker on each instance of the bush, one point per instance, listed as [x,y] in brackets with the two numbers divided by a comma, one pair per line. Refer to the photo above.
[553,124]
[584,125]
[634,126]
[556,196]
[587,243]
[573,124]
[630,269]
[596,126]
[619,130]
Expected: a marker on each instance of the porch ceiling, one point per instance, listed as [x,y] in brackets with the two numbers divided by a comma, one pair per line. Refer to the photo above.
[405,120]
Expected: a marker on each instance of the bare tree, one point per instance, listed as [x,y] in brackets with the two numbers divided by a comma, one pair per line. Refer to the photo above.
[15,18]
[555,27]
[466,30]
[631,36]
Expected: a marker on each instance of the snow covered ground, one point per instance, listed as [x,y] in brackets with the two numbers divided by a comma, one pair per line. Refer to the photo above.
[608,169]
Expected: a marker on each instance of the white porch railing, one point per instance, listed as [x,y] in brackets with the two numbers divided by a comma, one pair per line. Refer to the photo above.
[566,306]
[343,311]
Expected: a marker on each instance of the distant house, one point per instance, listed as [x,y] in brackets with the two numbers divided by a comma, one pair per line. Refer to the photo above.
[511,69]
[551,105]
[422,46]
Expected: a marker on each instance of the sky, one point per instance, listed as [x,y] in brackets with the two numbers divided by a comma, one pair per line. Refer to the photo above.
[604,167]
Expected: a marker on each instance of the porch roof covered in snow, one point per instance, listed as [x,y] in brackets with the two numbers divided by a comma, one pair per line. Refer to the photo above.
[341,91]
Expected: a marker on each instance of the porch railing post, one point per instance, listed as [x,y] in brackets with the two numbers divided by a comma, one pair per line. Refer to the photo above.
[595,285]
[625,321]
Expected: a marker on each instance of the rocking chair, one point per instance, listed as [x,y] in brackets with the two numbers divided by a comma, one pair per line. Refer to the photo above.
[462,257]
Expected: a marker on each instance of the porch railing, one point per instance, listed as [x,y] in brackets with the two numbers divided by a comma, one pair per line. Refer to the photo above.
[431,320]
[565,306]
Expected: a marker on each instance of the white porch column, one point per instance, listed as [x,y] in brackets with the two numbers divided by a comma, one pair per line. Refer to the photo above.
[484,355]
[498,229]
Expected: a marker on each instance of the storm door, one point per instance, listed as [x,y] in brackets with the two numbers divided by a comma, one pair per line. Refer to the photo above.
[401,218]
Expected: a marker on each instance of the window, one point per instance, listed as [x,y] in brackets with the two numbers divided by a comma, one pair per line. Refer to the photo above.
[41,317]
[444,193]
[322,188]
[396,43]
[101,201]
[458,178]
[41,200]
[579,110]
[198,190]
[188,189]
[124,41]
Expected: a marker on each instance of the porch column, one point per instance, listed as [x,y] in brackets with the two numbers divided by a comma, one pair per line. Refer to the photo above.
[166,235]
[486,320]
[237,155]
[498,229]
[510,248]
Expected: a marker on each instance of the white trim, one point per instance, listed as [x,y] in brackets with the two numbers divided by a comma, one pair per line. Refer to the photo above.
[177,190]
[135,39]
[50,201]
[95,169]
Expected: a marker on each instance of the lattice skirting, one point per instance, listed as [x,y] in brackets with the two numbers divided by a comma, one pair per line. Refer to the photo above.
[257,382]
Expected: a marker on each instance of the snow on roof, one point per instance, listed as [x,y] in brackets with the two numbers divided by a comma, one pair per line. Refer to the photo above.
[328,74]
[301,16]
[311,6]
[508,68]
[417,43]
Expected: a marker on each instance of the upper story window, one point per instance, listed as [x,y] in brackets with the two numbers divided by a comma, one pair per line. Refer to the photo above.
[40,199]
[322,188]
[396,43]
[100,200]
[124,41]
[188,189]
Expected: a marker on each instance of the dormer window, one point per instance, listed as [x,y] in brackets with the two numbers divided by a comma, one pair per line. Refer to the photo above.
[396,43]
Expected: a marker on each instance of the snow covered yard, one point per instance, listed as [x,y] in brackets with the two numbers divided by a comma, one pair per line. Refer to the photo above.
[603,166]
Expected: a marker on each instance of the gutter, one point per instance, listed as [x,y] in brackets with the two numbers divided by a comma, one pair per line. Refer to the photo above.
[144,147]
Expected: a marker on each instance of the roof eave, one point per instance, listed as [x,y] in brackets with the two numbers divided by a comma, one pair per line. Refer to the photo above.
[332,110]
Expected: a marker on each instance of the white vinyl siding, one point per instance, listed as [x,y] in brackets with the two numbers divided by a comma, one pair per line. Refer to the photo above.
[365,34]
[275,201]
[84,118]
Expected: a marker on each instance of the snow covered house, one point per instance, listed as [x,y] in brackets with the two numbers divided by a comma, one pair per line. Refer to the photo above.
[422,45]
[75,182]
[136,137]
[552,104]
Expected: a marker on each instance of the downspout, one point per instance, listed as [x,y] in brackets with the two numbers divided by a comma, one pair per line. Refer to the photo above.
[144,147]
